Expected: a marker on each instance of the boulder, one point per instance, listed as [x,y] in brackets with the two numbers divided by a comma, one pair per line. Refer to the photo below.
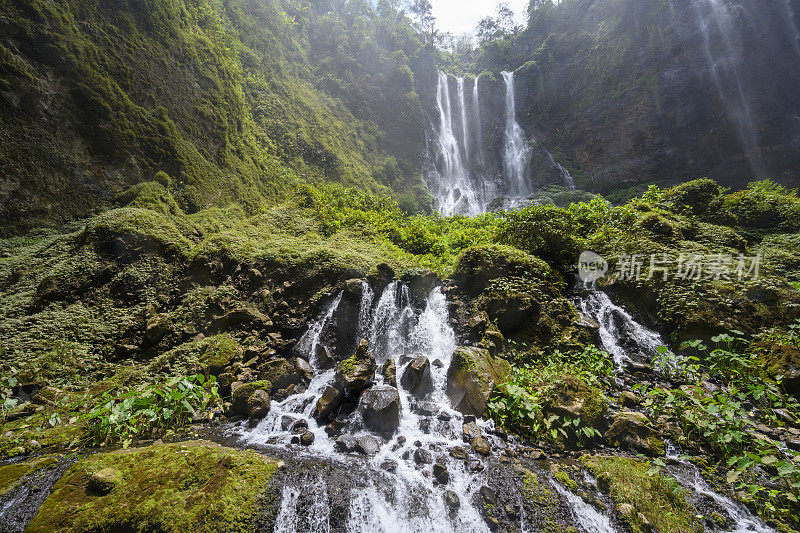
[307,438]
[104,481]
[571,397]
[242,318]
[281,373]
[423,456]
[417,378]
[258,404]
[481,446]
[354,374]
[330,400]
[389,372]
[368,445]
[48,396]
[345,444]
[240,397]
[440,474]
[511,311]
[633,431]
[628,399]
[452,501]
[304,368]
[459,452]
[472,376]
[381,409]
[470,430]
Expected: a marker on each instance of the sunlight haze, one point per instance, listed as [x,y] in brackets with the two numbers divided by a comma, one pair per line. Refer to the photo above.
[460,16]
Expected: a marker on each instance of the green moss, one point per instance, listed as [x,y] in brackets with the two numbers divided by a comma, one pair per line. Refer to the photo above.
[140,230]
[658,498]
[192,486]
[563,478]
[241,396]
[13,473]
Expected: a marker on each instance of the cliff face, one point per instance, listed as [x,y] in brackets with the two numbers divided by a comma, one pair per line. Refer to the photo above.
[234,101]
[629,92]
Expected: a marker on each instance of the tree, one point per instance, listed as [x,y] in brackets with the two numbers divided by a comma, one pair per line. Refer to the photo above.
[423,11]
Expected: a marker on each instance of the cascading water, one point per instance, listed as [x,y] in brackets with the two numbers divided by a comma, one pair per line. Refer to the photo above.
[455,191]
[517,153]
[689,476]
[462,109]
[476,113]
[404,499]
[724,53]
[619,333]
[587,516]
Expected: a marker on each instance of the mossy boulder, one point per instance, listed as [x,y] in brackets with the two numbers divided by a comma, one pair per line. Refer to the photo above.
[479,265]
[694,196]
[190,486]
[472,376]
[355,373]
[571,397]
[240,399]
[209,356]
[281,373]
[632,430]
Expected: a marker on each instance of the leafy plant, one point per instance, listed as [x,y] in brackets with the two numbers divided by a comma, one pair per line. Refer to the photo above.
[149,412]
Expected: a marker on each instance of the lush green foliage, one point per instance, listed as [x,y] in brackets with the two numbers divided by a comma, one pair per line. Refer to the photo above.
[149,412]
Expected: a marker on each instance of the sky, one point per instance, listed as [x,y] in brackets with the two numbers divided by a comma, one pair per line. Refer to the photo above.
[460,16]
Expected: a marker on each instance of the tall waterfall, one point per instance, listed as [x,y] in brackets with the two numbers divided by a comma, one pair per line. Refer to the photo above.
[476,113]
[455,190]
[517,153]
[723,49]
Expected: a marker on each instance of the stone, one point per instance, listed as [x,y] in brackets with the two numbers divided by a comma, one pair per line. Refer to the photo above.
[304,368]
[281,373]
[472,376]
[354,288]
[368,445]
[481,446]
[633,431]
[307,438]
[345,444]
[628,399]
[571,397]
[323,357]
[240,397]
[417,378]
[244,318]
[300,426]
[470,430]
[389,372]
[452,501]
[381,409]
[459,452]
[355,373]
[440,474]
[330,400]
[423,456]
[104,481]
[258,404]
[511,311]
[47,396]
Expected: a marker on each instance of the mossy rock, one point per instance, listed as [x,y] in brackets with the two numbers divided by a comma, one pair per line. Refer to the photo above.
[570,396]
[657,498]
[241,396]
[471,378]
[355,373]
[479,265]
[191,486]
[633,430]
[209,356]
[129,232]
[694,196]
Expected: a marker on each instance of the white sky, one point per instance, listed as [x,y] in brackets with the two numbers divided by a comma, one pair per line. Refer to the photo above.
[460,16]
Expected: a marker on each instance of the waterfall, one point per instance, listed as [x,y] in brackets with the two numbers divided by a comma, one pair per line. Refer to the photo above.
[476,112]
[405,499]
[517,153]
[311,339]
[792,21]
[620,335]
[689,477]
[724,54]
[455,191]
[587,516]
[462,108]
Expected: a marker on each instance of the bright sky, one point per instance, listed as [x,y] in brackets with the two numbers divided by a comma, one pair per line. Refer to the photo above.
[460,16]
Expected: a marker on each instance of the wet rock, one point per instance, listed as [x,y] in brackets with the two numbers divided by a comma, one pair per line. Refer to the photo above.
[417,378]
[241,394]
[300,426]
[487,496]
[389,372]
[354,288]
[258,404]
[307,438]
[423,456]
[345,444]
[330,400]
[440,474]
[638,368]
[459,452]
[286,422]
[628,399]
[470,431]
[471,377]
[324,358]
[426,408]
[452,501]
[304,368]
[633,431]
[481,446]
[368,445]
[280,373]
[355,373]
[389,465]
[104,481]
[48,396]
[381,409]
